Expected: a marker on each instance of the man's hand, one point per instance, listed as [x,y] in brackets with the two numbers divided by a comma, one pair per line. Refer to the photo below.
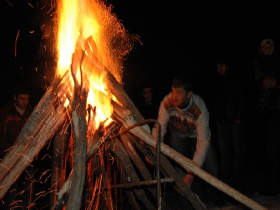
[188,179]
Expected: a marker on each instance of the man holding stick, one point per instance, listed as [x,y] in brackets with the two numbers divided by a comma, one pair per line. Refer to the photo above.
[187,118]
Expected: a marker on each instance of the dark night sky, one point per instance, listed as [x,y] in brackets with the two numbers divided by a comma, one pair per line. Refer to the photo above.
[176,36]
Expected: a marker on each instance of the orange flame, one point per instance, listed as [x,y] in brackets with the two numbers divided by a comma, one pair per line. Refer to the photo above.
[91,34]
[89,26]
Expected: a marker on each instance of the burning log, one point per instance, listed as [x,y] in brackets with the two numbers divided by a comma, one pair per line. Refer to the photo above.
[96,140]
[80,140]
[114,86]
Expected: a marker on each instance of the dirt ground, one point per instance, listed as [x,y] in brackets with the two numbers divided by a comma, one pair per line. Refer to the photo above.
[269,202]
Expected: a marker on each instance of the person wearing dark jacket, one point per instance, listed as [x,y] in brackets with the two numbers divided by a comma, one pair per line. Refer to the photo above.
[267,75]
[149,104]
[12,119]
[229,118]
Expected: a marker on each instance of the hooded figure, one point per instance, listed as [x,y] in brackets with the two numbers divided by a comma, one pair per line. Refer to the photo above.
[267,74]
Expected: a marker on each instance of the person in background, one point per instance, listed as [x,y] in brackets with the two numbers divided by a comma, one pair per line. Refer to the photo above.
[186,116]
[267,75]
[13,117]
[149,105]
[267,67]
[230,114]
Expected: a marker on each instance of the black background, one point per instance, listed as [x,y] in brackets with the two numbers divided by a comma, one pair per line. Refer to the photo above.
[175,36]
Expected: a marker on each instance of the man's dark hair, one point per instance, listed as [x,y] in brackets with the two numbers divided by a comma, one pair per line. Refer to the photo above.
[146,85]
[21,90]
[183,81]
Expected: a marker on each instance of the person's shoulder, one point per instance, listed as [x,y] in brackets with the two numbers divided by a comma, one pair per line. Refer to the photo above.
[6,109]
[199,101]
[197,98]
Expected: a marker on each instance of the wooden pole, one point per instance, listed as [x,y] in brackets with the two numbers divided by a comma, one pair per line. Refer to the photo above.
[58,172]
[80,137]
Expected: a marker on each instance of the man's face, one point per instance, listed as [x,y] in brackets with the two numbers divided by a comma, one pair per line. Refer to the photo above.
[267,49]
[222,68]
[22,100]
[148,94]
[180,97]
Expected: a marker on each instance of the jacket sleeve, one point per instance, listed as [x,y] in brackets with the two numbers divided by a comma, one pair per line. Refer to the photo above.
[203,138]
[163,119]
[3,143]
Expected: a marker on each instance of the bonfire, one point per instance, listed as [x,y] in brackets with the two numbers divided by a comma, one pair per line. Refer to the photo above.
[86,113]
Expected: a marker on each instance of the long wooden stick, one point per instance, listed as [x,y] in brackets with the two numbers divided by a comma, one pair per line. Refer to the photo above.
[137,184]
[80,137]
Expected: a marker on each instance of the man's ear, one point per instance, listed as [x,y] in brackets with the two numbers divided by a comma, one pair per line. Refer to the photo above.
[14,97]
